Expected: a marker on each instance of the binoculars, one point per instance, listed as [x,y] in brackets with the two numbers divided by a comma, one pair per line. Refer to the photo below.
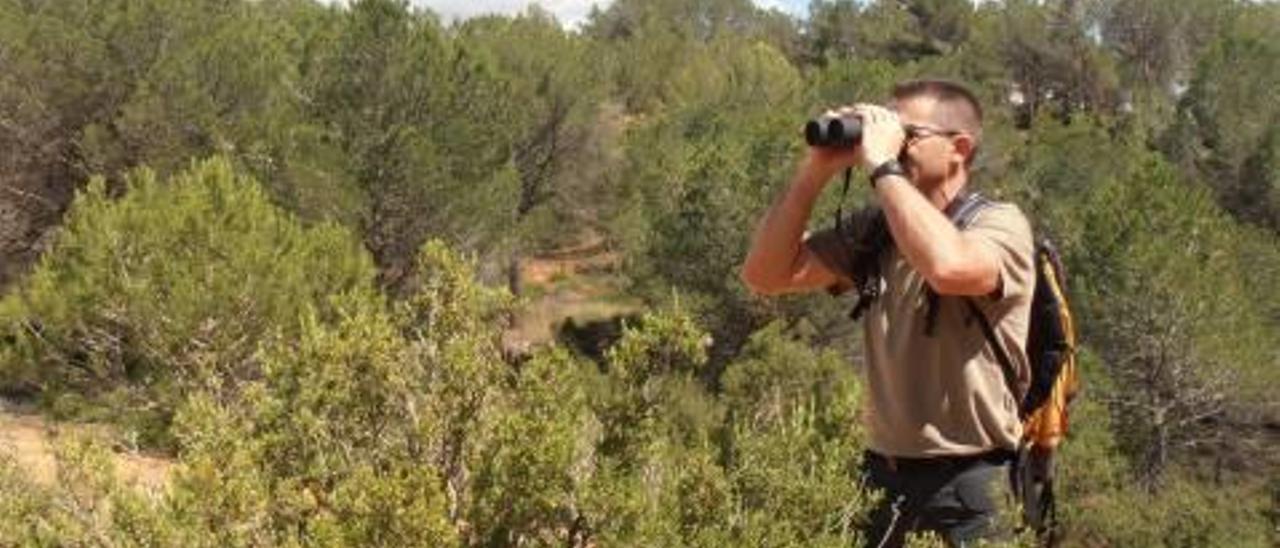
[833,131]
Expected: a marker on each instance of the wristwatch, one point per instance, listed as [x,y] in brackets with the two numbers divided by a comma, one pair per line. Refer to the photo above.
[889,167]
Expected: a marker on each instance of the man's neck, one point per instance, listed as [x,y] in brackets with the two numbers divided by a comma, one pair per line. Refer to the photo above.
[940,196]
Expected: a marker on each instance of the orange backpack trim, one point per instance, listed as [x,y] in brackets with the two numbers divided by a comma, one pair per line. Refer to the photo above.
[1047,425]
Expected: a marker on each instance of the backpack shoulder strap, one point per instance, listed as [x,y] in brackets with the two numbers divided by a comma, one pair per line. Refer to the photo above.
[1006,365]
[962,211]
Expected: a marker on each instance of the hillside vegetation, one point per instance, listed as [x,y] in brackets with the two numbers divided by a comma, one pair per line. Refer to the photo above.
[286,244]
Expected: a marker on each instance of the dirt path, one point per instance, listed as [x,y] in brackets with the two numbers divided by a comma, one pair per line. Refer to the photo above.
[29,439]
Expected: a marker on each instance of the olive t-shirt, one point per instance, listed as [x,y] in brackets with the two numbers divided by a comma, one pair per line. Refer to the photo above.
[945,393]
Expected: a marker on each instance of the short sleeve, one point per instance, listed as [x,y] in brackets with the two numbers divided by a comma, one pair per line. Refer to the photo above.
[837,247]
[1007,231]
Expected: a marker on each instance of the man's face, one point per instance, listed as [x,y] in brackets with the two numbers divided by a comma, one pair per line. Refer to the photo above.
[930,153]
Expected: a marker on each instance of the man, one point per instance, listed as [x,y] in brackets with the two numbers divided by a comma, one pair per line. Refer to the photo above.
[941,420]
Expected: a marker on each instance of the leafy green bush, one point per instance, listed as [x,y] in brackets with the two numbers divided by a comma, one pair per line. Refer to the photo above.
[88,505]
[796,446]
[1174,340]
[170,287]
[1183,514]
[528,479]
[651,392]
[364,426]
[330,448]
[770,461]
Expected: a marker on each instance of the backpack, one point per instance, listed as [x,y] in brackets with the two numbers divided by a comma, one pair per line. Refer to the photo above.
[1051,347]
[1055,379]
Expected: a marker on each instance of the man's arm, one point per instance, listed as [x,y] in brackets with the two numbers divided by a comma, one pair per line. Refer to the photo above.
[954,263]
[778,261]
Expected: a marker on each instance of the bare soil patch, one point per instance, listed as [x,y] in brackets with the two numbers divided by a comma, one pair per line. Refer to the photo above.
[580,282]
[29,439]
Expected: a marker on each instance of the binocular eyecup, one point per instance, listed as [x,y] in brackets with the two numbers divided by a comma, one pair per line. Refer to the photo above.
[831,131]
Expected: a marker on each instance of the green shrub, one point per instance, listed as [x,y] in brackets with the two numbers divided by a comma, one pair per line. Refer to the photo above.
[366,430]
[169,287]
[1184,513]
[400,426]
[771,461]
[88,505]
[796,446]
[651,392]
[527,480]
[657,480]
[330,448]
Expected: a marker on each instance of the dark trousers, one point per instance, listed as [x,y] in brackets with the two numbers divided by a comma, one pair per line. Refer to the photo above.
[956,497]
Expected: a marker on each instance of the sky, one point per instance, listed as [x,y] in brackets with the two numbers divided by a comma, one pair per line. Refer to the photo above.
[568,12]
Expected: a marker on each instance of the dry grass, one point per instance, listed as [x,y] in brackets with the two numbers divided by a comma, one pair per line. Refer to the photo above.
[29,439]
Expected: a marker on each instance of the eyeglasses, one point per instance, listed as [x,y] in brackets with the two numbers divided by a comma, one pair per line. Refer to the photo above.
[917,132]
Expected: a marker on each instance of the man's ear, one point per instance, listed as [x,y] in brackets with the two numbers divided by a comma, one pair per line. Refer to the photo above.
[965,146]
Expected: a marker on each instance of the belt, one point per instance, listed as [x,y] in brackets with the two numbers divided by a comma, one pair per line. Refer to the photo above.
[942,462]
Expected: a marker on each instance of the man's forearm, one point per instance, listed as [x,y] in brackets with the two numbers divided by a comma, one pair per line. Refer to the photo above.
[951,264]
[778,238]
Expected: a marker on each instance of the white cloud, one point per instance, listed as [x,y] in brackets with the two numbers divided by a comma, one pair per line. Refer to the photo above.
[793,7]
[568,12]
[571,13]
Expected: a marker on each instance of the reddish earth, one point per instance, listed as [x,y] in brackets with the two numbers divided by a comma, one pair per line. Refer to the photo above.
[579,282]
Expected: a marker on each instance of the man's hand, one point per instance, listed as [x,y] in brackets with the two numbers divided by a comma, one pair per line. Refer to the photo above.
[882,134]
[825,162]
[778,260]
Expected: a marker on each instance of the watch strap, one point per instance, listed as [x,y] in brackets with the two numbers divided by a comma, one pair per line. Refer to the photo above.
[889,167]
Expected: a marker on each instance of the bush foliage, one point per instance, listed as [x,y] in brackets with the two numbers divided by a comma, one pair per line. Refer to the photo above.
[268,239]
[168,289]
